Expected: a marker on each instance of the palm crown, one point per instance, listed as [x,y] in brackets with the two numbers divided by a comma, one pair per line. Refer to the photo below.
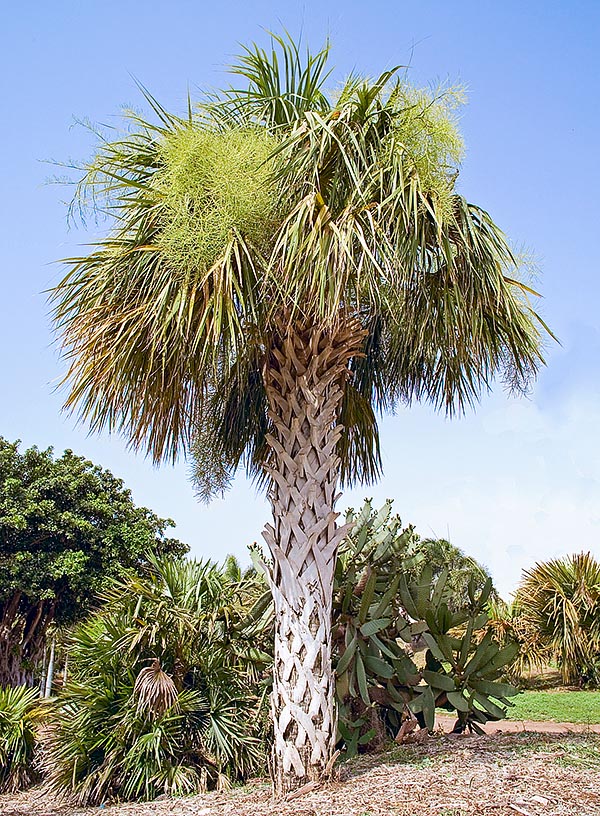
[276,204]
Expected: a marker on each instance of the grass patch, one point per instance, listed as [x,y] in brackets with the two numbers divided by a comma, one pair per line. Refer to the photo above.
[580,755]
[410,755]
[557,706]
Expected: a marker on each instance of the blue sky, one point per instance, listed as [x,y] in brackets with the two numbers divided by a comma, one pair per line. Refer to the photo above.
[514,482]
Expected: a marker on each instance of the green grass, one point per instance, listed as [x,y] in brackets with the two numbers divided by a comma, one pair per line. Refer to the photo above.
[580,755]
[571,751]
[557,706]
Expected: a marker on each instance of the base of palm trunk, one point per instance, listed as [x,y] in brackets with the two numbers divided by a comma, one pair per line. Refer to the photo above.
[303,699]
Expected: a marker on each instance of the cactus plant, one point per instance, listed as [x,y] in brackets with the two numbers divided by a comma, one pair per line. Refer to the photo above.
[387,607]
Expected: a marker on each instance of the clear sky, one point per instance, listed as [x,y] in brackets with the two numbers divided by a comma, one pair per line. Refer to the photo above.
[514,482]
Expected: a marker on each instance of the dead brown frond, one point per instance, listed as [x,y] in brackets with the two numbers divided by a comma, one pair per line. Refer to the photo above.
[155,690]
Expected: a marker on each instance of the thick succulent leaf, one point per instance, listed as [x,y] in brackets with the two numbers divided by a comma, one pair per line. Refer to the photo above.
[429,708]
[456,699]
[361,676]
[494,689]
[438,680]
[347,657]
[379,667]
[489,706]
[372,627]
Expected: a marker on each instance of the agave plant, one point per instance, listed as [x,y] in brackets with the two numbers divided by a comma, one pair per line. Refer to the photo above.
[559,601]
[161,696]
[20,717]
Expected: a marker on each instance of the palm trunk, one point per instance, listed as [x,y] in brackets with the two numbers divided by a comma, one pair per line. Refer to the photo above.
[304,378]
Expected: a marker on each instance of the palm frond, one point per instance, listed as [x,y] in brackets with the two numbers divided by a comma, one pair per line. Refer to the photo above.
[21,716]
[281,86]
[155,690]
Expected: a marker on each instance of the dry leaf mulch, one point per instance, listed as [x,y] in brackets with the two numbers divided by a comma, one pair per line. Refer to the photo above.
[497,775]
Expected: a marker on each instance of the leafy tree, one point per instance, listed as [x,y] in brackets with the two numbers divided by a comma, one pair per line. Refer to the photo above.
[66,527]
[557,608]
[281,265]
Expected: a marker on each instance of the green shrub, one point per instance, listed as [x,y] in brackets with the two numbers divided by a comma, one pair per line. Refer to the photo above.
[20,716]
[161,696]
[559,601]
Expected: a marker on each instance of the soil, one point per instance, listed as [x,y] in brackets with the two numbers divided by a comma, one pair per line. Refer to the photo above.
[517,726]
[501,774]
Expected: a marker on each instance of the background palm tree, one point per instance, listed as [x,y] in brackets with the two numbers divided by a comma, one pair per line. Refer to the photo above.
[558,601]
[440,554]
[281,265]
[162,695]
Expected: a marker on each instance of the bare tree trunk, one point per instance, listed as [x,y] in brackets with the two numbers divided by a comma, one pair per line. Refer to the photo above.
[42,683]
[305,378]
[22,639]
[66,669]
[50,673]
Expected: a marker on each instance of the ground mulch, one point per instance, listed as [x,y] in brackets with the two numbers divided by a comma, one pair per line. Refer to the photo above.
[496,775]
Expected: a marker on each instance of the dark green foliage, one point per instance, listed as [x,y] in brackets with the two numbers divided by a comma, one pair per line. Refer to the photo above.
[20,714]
[381,618]
[67,527]
[162,693]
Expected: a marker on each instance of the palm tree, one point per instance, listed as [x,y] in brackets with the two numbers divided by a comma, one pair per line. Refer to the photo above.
[162,695]
[281,266]
[440,554]
[558,604]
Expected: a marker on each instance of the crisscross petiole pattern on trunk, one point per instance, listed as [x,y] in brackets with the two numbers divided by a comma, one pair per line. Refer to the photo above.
[305,377]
